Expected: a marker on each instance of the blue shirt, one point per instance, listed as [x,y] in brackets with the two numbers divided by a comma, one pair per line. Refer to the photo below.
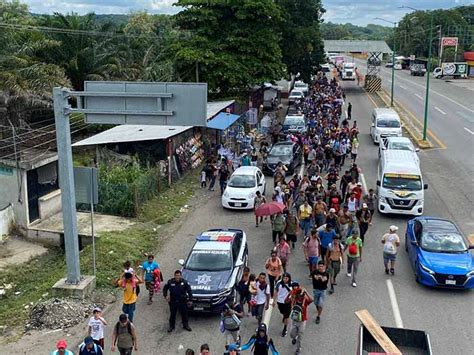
[149,268]
[326,237]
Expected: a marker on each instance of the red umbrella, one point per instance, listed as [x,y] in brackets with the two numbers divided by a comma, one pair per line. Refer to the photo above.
[270,208]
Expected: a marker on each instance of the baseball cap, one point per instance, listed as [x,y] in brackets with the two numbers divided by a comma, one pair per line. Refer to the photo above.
[97,309]
[88,340]
[359,184]
[332,210]
[393,228]
[61,344]
[364,205]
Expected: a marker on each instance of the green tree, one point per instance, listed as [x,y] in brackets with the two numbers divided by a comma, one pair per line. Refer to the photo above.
[25,78]
[229,45]
[301,43]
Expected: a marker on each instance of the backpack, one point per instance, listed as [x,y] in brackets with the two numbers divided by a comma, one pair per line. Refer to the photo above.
[231,322]
[84,345]
[389,248]
[297,313]
[353,249]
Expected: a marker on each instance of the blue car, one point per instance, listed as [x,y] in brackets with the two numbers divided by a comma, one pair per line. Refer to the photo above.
[439,253]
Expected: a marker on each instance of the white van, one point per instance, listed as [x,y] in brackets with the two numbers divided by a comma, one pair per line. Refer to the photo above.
[385,123]
[400,187]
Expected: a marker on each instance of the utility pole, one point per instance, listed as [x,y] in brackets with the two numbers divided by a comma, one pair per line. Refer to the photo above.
[440,48]
[393,58]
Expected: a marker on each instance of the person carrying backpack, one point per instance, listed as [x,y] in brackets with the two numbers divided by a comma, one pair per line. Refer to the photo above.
[391,242]
[124,336]
[354,255]
[260,342]
[88,347]
[299,300]
[282,289]
[231,320]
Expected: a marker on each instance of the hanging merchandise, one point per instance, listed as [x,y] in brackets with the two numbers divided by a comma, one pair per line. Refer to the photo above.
[191,153]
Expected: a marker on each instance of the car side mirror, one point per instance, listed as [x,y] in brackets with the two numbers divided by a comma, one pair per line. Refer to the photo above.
[384,148]
[417,149]
[239,263]
[378,183]
[425,186]
[181,262]
[260,184]
[373,124]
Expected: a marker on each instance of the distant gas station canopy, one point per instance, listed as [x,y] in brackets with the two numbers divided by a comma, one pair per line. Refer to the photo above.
[144,103]
[356,46]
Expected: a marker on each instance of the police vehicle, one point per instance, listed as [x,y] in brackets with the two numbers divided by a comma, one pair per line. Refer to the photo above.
[214,267]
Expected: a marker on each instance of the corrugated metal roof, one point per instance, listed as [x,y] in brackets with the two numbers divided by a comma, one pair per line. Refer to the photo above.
[137,133]
[356,46]
[132,133]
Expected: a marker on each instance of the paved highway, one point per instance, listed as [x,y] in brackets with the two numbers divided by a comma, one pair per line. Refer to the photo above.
[446,315]
[451,119]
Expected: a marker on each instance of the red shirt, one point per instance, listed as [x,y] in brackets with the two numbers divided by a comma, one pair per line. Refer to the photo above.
[304,304]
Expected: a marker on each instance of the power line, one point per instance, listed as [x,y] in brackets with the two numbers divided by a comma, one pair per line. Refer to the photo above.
[74,32]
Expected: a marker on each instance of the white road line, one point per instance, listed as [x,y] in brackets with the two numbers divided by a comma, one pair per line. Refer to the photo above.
[267,315]
[393,301]
[302,167]
[364,184]
[439,110]
[402,87]
[467,129]
[418,96]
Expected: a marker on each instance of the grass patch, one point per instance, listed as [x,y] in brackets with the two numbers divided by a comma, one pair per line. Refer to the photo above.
[36,277]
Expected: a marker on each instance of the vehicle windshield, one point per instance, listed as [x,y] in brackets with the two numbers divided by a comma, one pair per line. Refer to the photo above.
[444,242]
[400,146]
[300,85]
[296,93]
[242,181]
[281,150]
[388,123]
[402,182]
[209,260]
[294,121]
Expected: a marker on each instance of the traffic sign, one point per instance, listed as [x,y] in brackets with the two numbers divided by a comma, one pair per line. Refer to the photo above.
[449,41]
[146,103]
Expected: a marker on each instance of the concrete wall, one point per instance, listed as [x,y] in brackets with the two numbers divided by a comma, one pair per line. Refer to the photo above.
[9,193]
[49,204]
[7,220]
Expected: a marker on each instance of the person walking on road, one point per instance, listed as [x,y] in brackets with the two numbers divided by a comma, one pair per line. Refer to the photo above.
[231,320]
[343,222]
[129,295]
[96,327]
[179,298]
[371,200]
[349,111]
[258,200]
[61,348]
[312,250]
[354,256]
[274,269]
[260,342]
[391,242]
[282,289]
[299,301]
[148,267]
[89,347]
[223,177]
[320,278]
[363,218]
[124,337]
[334,260]
[305,213]
[283,252]
[319,211]
[278,226]
[262,297]
[326,236]
[291,228]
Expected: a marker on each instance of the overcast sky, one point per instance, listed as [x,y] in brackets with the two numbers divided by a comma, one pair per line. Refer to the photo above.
[360,12]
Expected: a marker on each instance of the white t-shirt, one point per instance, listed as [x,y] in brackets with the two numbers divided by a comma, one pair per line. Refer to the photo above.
[282,292]
[262,294]
[97,328]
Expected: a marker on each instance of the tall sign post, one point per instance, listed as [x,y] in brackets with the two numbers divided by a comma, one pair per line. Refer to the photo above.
[146,103]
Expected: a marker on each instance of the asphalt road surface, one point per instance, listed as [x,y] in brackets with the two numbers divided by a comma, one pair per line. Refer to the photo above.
[447,315]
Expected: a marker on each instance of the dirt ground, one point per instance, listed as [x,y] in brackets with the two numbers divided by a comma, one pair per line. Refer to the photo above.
[16,250]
